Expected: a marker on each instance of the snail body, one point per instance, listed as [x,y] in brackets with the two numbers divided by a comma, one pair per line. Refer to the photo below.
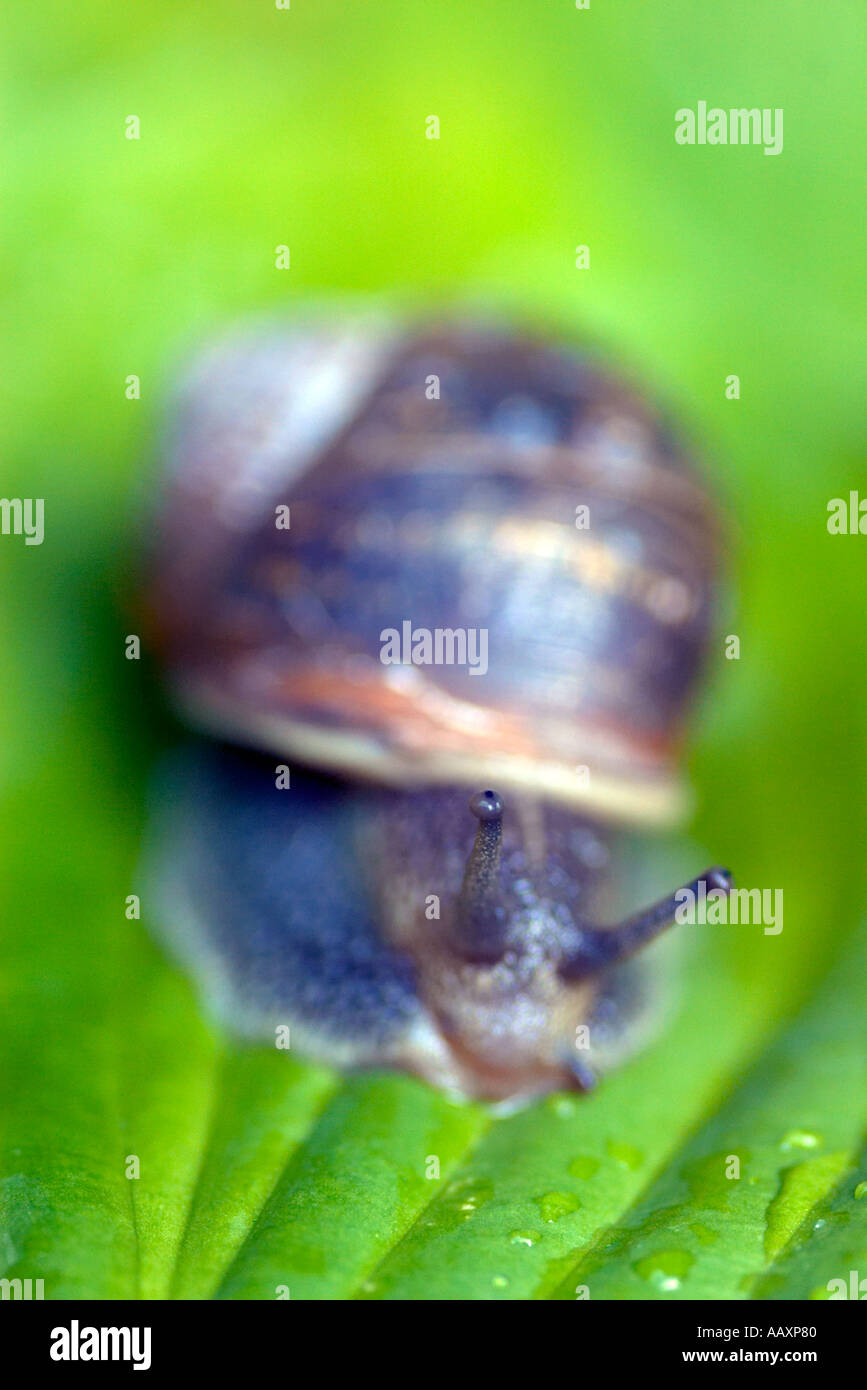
[332,491]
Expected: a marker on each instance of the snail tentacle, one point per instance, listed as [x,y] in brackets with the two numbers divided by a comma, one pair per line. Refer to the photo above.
[602,947]
[480,916]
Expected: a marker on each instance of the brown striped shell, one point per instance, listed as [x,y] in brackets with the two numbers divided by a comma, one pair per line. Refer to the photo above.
[433,475]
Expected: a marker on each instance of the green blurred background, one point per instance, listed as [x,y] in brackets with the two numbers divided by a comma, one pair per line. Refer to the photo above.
[307,127]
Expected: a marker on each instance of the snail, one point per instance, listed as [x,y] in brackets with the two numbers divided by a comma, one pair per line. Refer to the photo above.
[393,848]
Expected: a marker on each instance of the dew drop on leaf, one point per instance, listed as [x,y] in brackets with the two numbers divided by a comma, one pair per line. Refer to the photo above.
[665,1269]
[462,1199]
[625,1154]
[800,1139]
[525,1237]
[564,1107]
[555,1205]
[583,1167]
[703,1234]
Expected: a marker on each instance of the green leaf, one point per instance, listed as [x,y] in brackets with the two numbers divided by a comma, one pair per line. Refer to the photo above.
[744,1191]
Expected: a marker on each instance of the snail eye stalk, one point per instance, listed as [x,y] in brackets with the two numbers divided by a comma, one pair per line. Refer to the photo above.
[605,946]
[480,916]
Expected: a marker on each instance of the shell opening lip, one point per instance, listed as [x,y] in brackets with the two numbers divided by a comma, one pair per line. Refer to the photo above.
[487,805]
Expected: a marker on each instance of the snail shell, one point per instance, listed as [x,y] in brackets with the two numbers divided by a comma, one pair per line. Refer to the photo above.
[430,476]
[453,513]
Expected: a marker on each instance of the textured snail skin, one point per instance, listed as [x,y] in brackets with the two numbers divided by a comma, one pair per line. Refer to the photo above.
[438,907]
[306,909]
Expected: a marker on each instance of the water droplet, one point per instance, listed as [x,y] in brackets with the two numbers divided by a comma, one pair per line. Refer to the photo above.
[861,1190]
[564,1107]
[500,1281]
[625,1154]
[665,1269]
[525,1237]
[800,1139]
[584,1166]
[703,1234]
[555,1205]
[461,1200]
